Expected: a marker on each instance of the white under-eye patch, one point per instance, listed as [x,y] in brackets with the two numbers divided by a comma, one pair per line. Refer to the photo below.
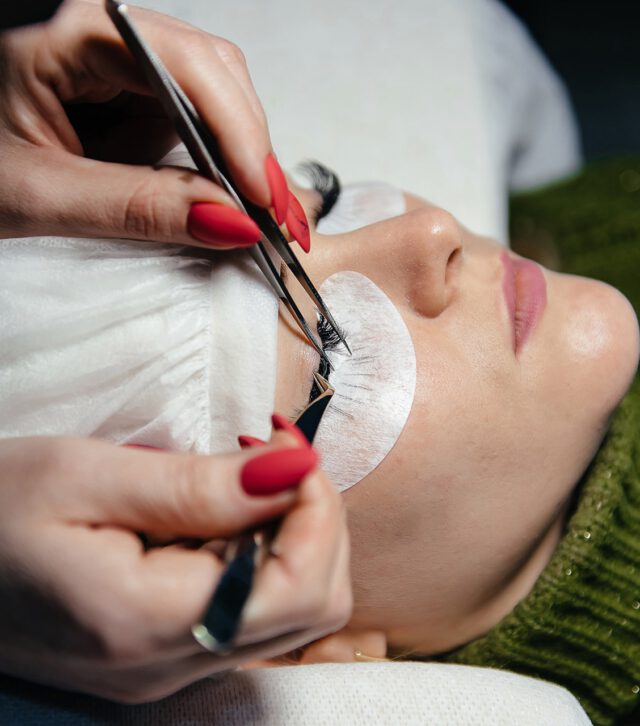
[374,387]
[362,204]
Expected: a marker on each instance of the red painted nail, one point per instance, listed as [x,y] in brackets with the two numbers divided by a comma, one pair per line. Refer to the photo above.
[278,187]
[218,225]
[280,423]
[276,471]
[250,442]
[297,223]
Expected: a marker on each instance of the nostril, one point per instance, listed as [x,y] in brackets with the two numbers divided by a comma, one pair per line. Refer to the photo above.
[453,263]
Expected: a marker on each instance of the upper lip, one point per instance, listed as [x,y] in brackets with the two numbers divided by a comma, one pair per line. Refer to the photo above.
[524,289]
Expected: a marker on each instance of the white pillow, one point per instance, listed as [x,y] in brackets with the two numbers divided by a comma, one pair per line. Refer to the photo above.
[449,99]
[388,693]
[336,694]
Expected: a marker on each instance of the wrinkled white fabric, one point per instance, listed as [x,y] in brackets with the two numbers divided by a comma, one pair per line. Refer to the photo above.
[134,343]
[142,343]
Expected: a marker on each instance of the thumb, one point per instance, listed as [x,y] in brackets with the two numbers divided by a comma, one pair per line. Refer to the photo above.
[81,197]
[192,496]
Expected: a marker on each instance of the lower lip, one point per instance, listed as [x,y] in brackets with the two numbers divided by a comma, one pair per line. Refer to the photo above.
[525,292]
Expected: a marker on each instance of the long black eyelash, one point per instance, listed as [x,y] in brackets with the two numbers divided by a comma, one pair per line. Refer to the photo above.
[325,182]
[330,341]
[328,335]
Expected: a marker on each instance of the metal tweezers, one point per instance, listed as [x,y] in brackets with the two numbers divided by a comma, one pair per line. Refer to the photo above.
[245,554]
[205,153]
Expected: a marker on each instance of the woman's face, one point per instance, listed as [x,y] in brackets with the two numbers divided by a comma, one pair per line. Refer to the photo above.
[454,526]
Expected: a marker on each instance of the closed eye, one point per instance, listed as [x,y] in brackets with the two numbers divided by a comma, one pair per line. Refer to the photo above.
[326,183]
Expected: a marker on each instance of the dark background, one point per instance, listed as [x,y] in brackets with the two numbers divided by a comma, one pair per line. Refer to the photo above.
[21,12]
[595,47]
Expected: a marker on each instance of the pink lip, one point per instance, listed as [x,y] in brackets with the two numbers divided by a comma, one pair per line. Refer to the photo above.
[525,292]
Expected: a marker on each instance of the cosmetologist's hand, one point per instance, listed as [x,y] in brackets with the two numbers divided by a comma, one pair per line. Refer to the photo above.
[85,606]
[79,131]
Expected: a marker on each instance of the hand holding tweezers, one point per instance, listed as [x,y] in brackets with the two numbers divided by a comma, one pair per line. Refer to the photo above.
[244,555]
[205,153]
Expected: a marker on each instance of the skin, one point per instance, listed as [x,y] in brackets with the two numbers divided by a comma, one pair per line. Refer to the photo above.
[77,115]
[481,504]
[494,444]
[83,605]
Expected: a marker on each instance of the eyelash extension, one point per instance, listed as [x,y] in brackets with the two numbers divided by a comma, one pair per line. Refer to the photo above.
[326,183]
[330,340]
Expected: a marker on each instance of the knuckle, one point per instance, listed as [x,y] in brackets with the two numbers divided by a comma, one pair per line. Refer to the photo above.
[133,694]
[138,694]
[329,611]
[122,635]
[56,460]
[121,647]
[126,696]
[340,609]
[147,214]
[330,507]
[230,53]
[195,47]
[313,604]
[194,491]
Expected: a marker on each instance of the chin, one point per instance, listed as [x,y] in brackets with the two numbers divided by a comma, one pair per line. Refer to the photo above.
[601,338]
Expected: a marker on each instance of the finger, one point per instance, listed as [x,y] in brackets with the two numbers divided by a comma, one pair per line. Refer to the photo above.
[330,579]
[159,679]
[140,605]
[237,66]
[137,606]
[212,71]
[228,112]
[311,543]
[103,199]
[173,589]
[160,492]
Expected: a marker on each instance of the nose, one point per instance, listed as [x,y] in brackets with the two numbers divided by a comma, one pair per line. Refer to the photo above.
[420,254]
[432,238]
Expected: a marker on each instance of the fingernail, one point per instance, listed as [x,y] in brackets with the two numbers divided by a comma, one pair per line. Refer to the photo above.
[297,223]
[281,422]
[217,224]
[278,187]
[250,442]
[277,471]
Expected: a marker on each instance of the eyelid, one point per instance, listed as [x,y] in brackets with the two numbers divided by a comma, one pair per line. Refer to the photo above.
[315,214]
[326,183]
